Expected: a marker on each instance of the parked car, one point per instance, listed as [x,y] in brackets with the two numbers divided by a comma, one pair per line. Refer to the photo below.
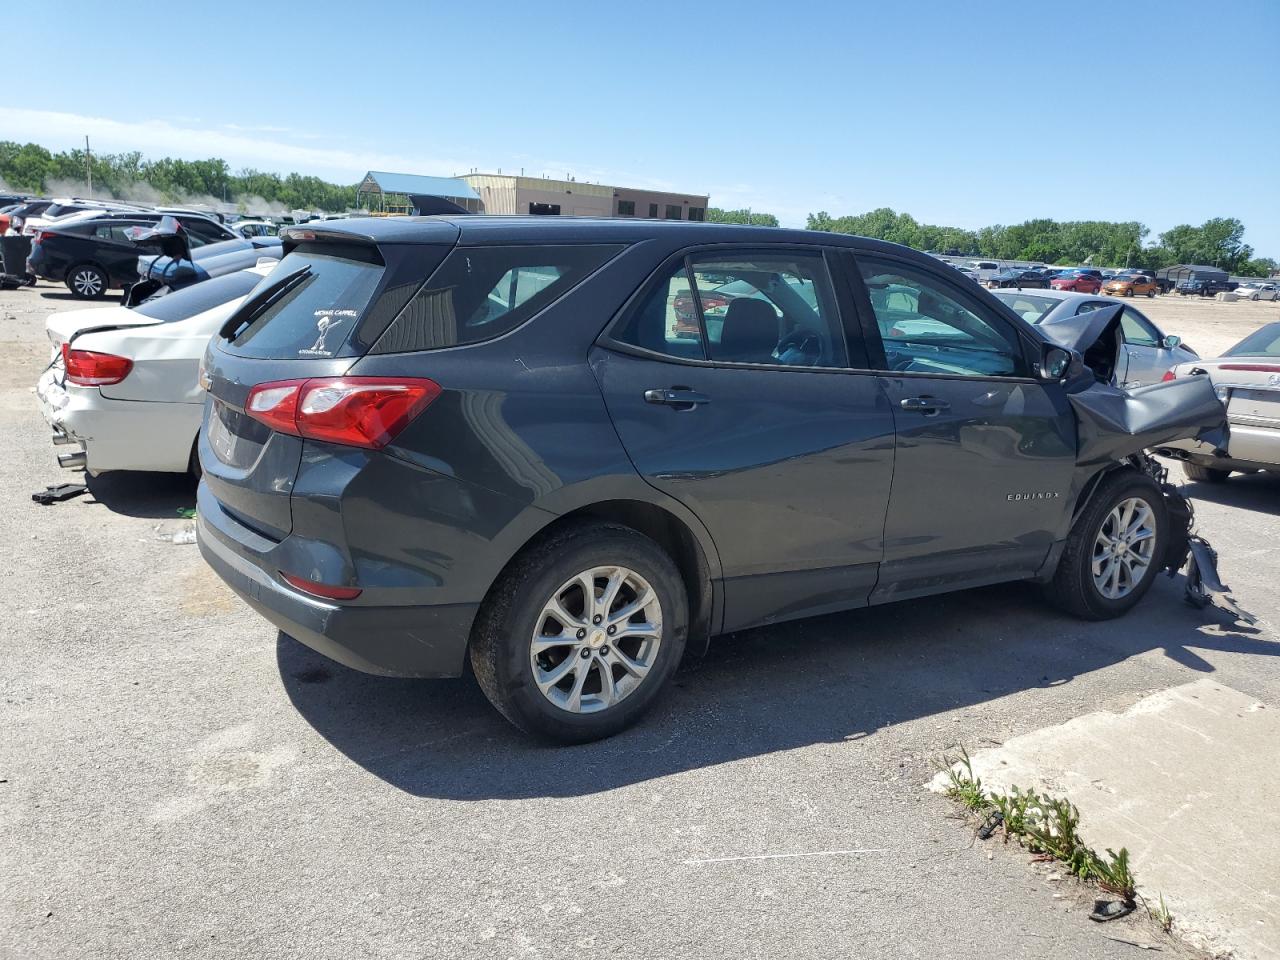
[255,228]
[1078,281]
[161,274]
[1018,278]
[411,459]
[984,270]
[122,387]
[66,207]
[1258,290]
[32,208]
[93,254]
[1148,352]
[1246,378]
[1203,288]
[1131,285]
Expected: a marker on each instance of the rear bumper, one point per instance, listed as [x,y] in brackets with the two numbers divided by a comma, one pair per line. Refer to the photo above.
[1248,448]
[399,641]
[119,434]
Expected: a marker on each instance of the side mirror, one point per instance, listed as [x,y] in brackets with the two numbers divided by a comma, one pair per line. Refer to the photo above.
[1171,342]
[1055,363]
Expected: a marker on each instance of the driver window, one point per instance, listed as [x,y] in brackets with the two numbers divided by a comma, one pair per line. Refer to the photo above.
[774,309]
[927,328]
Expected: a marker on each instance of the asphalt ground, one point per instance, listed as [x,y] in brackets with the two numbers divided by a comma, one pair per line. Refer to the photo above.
[180,780]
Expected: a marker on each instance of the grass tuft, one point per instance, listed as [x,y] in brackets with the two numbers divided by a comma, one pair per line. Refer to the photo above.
[1046,825]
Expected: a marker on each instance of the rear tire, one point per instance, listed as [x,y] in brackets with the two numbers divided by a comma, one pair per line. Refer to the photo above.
[1151,293]
[87,282]
[519,645]
[1098,575]
[1205,474]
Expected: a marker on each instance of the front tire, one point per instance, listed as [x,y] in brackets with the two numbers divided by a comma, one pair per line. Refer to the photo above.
[87,282]
[1114,551]
[1205,474]
[581,633]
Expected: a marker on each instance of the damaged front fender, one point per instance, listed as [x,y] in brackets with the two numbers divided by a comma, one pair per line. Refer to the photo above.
[1112,423]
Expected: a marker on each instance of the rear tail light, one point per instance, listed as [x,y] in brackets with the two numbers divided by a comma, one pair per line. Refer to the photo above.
[323,590]
[1168,375]
[89,369]
[356,411]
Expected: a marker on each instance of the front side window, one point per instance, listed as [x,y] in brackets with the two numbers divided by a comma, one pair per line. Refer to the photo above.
[479,293]
[1137,329]
[926,327]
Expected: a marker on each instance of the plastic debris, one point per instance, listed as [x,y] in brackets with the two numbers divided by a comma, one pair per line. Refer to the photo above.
[58,492]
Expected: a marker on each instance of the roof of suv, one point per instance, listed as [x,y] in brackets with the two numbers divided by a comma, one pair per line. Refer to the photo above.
[485,229]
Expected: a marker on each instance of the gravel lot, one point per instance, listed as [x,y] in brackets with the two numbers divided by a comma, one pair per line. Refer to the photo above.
[177,779]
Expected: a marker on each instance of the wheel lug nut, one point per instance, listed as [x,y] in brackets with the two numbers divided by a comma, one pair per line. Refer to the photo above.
[604,651]
[582,634]
[586,654]
[612,630]
[597,619]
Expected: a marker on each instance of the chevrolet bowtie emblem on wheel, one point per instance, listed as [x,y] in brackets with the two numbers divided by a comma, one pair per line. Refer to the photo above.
[1035,495]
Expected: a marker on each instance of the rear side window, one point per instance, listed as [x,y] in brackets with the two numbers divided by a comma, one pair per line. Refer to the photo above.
[323,296]
[199,297]
[777,309]
[479,293]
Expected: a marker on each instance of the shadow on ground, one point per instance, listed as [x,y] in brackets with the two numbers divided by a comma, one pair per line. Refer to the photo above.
[156,496]
[1259,492]
[823,680]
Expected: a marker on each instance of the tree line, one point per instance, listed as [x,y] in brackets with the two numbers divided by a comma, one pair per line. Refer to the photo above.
[1218,242]
[128,176]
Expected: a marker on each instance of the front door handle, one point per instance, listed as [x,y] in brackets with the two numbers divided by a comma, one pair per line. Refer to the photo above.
[929,406]
[679,398]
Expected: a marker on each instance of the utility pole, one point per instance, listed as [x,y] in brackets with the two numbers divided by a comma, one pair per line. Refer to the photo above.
[88,165]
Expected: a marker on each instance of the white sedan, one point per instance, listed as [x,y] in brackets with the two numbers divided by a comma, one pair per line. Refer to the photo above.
[1247,380]
[122,384]
[1258,290]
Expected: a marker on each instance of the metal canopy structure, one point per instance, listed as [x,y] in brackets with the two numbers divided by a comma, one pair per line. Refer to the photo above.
[382,192]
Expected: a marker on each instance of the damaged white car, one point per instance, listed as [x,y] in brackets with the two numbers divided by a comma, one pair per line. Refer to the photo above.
[122,386]
[1247,380]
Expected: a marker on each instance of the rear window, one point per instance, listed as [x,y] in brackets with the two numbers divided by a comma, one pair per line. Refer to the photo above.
[315,315]
[199,297]
[479,293]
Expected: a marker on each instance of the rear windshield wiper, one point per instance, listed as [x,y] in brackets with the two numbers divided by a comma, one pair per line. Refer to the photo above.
[260,301]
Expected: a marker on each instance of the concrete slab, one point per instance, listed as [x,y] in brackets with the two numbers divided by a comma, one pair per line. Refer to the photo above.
[1189,780]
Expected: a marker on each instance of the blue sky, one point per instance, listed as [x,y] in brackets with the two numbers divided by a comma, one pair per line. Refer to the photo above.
[962,114]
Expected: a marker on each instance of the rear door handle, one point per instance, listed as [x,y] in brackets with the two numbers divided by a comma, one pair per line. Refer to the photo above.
[926,405]
[680,398]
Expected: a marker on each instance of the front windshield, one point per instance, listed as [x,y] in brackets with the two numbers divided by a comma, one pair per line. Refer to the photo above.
[1261,343]
[1032,309]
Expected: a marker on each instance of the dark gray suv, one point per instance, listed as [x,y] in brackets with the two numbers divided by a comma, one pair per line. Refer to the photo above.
[570,450]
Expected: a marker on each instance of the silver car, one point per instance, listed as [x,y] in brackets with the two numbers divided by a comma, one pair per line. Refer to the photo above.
[1247,380]
[1148,352]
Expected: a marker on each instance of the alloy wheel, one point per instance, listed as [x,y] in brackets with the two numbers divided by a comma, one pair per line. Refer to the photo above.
[87,283]
[596,639]
[1124,548]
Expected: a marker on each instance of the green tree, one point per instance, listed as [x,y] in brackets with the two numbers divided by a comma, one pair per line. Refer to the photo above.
[743,216]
